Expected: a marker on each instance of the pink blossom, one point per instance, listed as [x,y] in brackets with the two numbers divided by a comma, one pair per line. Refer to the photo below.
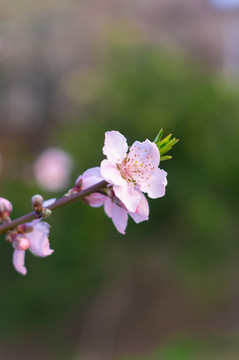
[35,238]
[52,169]
[113,207]
[133,170]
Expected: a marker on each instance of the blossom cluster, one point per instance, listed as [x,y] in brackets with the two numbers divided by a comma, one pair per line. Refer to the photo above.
[31,235]
[128,172]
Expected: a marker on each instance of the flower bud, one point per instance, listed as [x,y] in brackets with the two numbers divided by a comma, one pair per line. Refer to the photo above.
[5,209]
[20,243]
[28,228]
[46,212]
[37,200]
[24,228]
[79,183]
[76,188]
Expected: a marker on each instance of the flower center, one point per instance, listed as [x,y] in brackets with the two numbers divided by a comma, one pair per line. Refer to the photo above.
[135,170]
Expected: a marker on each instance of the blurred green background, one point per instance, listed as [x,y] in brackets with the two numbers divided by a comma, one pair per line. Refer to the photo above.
[169,288]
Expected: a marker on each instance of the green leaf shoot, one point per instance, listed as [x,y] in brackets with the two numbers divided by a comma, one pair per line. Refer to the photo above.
[164,145]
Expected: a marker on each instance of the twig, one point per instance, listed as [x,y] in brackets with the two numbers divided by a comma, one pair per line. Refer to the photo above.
[57,204]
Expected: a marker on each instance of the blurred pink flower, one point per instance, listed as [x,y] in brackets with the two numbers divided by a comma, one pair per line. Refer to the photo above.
[113,207]
[131,171]
[52,169]
[35,238]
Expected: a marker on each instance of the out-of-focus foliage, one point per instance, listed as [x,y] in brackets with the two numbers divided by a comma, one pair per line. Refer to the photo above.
[135,90]
[188,349]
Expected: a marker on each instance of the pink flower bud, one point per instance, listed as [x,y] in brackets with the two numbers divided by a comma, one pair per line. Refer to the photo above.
[21,243]
[5,209]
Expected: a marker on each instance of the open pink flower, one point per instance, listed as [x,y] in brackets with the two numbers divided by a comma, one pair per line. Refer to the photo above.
[113,207]
[35,238]
[133,170]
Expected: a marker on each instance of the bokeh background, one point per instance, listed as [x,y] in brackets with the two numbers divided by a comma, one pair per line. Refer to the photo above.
[168,289]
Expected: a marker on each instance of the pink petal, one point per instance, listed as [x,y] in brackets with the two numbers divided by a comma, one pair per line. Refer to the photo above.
[129,196]
[91,177]
[96,200]
[147,153]
[119,218]
[108,207]
[142,212]
[19,261]
[40,226]
[157,184]
[48,202]
[95,171]
[39,243]
[115,147]
[77,182]
[110,173]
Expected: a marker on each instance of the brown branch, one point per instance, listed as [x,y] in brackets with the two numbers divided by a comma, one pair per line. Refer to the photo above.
[57,204]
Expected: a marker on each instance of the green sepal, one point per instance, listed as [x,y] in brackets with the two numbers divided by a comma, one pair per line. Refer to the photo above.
[164,145]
